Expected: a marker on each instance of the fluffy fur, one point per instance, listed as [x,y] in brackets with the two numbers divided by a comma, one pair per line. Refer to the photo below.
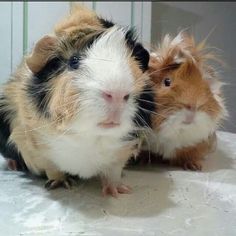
[60,118]
[188,99]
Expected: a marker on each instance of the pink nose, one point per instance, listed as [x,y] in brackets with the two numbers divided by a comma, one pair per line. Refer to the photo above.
[190,107]
[117,97]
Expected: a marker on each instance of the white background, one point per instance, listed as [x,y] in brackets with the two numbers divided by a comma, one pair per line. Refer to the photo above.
[42,16]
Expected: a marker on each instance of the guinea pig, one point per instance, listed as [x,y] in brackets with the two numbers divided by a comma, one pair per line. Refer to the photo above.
[72,106]
[189,102]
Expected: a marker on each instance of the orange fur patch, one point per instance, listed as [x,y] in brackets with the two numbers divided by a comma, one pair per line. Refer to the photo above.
[188,85]
[186,64]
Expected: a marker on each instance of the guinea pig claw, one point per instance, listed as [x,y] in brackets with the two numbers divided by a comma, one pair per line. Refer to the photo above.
[109,190]
[53,184]
[115,190]
[124,189]
[194,166]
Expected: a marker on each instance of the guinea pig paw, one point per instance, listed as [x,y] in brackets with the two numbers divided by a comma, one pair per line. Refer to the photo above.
[192,165]
[12,164]
[113,190]
[56,183]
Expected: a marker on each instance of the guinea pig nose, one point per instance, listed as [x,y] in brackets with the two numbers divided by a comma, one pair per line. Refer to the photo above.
[117,97]
[107,96]
[190,107]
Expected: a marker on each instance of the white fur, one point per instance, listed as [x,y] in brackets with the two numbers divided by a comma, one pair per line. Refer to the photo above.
[169,43]
[216,87]
[177,40]
[85,149]
[174,134]
[85,155]
[105,68]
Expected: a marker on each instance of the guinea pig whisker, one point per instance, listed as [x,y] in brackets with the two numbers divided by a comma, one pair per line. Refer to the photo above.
[155,103]
[43,90]
[153,72]
[39,127]
[148,91]
[42,126]
[159,70]
[146,110]
[152,112]
[63,134]
[144,133]
[144,122]
[159,105]
[101,59]
[55,139]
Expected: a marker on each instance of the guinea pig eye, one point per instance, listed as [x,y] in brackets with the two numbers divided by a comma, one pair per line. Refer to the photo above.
[167,82]
[74,62]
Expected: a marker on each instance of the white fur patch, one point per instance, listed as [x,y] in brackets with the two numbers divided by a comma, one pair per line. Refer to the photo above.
[174,134]
[86,155]
[177,40]
[105,68]
[90,149]
[216,87]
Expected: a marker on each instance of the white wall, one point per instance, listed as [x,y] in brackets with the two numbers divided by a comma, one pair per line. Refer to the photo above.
[42,17]
[25,23]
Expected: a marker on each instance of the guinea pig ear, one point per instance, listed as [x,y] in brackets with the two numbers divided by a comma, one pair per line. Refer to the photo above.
[42,51]
[138,51]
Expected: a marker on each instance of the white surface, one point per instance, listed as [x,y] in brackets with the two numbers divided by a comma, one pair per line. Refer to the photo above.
[165,201]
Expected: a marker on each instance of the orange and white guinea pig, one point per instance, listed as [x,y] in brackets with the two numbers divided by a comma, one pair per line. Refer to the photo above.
[73,104]
[188,99]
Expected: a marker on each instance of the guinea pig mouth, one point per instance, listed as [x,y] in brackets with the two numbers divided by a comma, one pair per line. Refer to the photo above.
[189,118]
[108,125]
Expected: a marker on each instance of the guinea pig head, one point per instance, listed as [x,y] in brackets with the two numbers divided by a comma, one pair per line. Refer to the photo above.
[188,93]
[89,82]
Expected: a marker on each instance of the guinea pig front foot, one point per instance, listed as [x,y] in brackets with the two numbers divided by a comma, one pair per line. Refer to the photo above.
[12,164]
[57,183]
[192,165]
[114,190]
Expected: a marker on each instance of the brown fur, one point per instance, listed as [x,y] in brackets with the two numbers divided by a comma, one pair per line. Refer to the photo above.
[27,125]
[189,87]
[191,157]
[43,50]
[80,19]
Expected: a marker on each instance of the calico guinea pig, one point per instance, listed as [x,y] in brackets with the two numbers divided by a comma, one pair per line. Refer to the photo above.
[73,105]
[189,102]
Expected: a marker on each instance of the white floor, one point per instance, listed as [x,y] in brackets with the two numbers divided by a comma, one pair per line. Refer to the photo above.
[164,202]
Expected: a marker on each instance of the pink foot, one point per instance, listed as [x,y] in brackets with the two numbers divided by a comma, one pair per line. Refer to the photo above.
[191,165]
[110,189]
[11,164]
